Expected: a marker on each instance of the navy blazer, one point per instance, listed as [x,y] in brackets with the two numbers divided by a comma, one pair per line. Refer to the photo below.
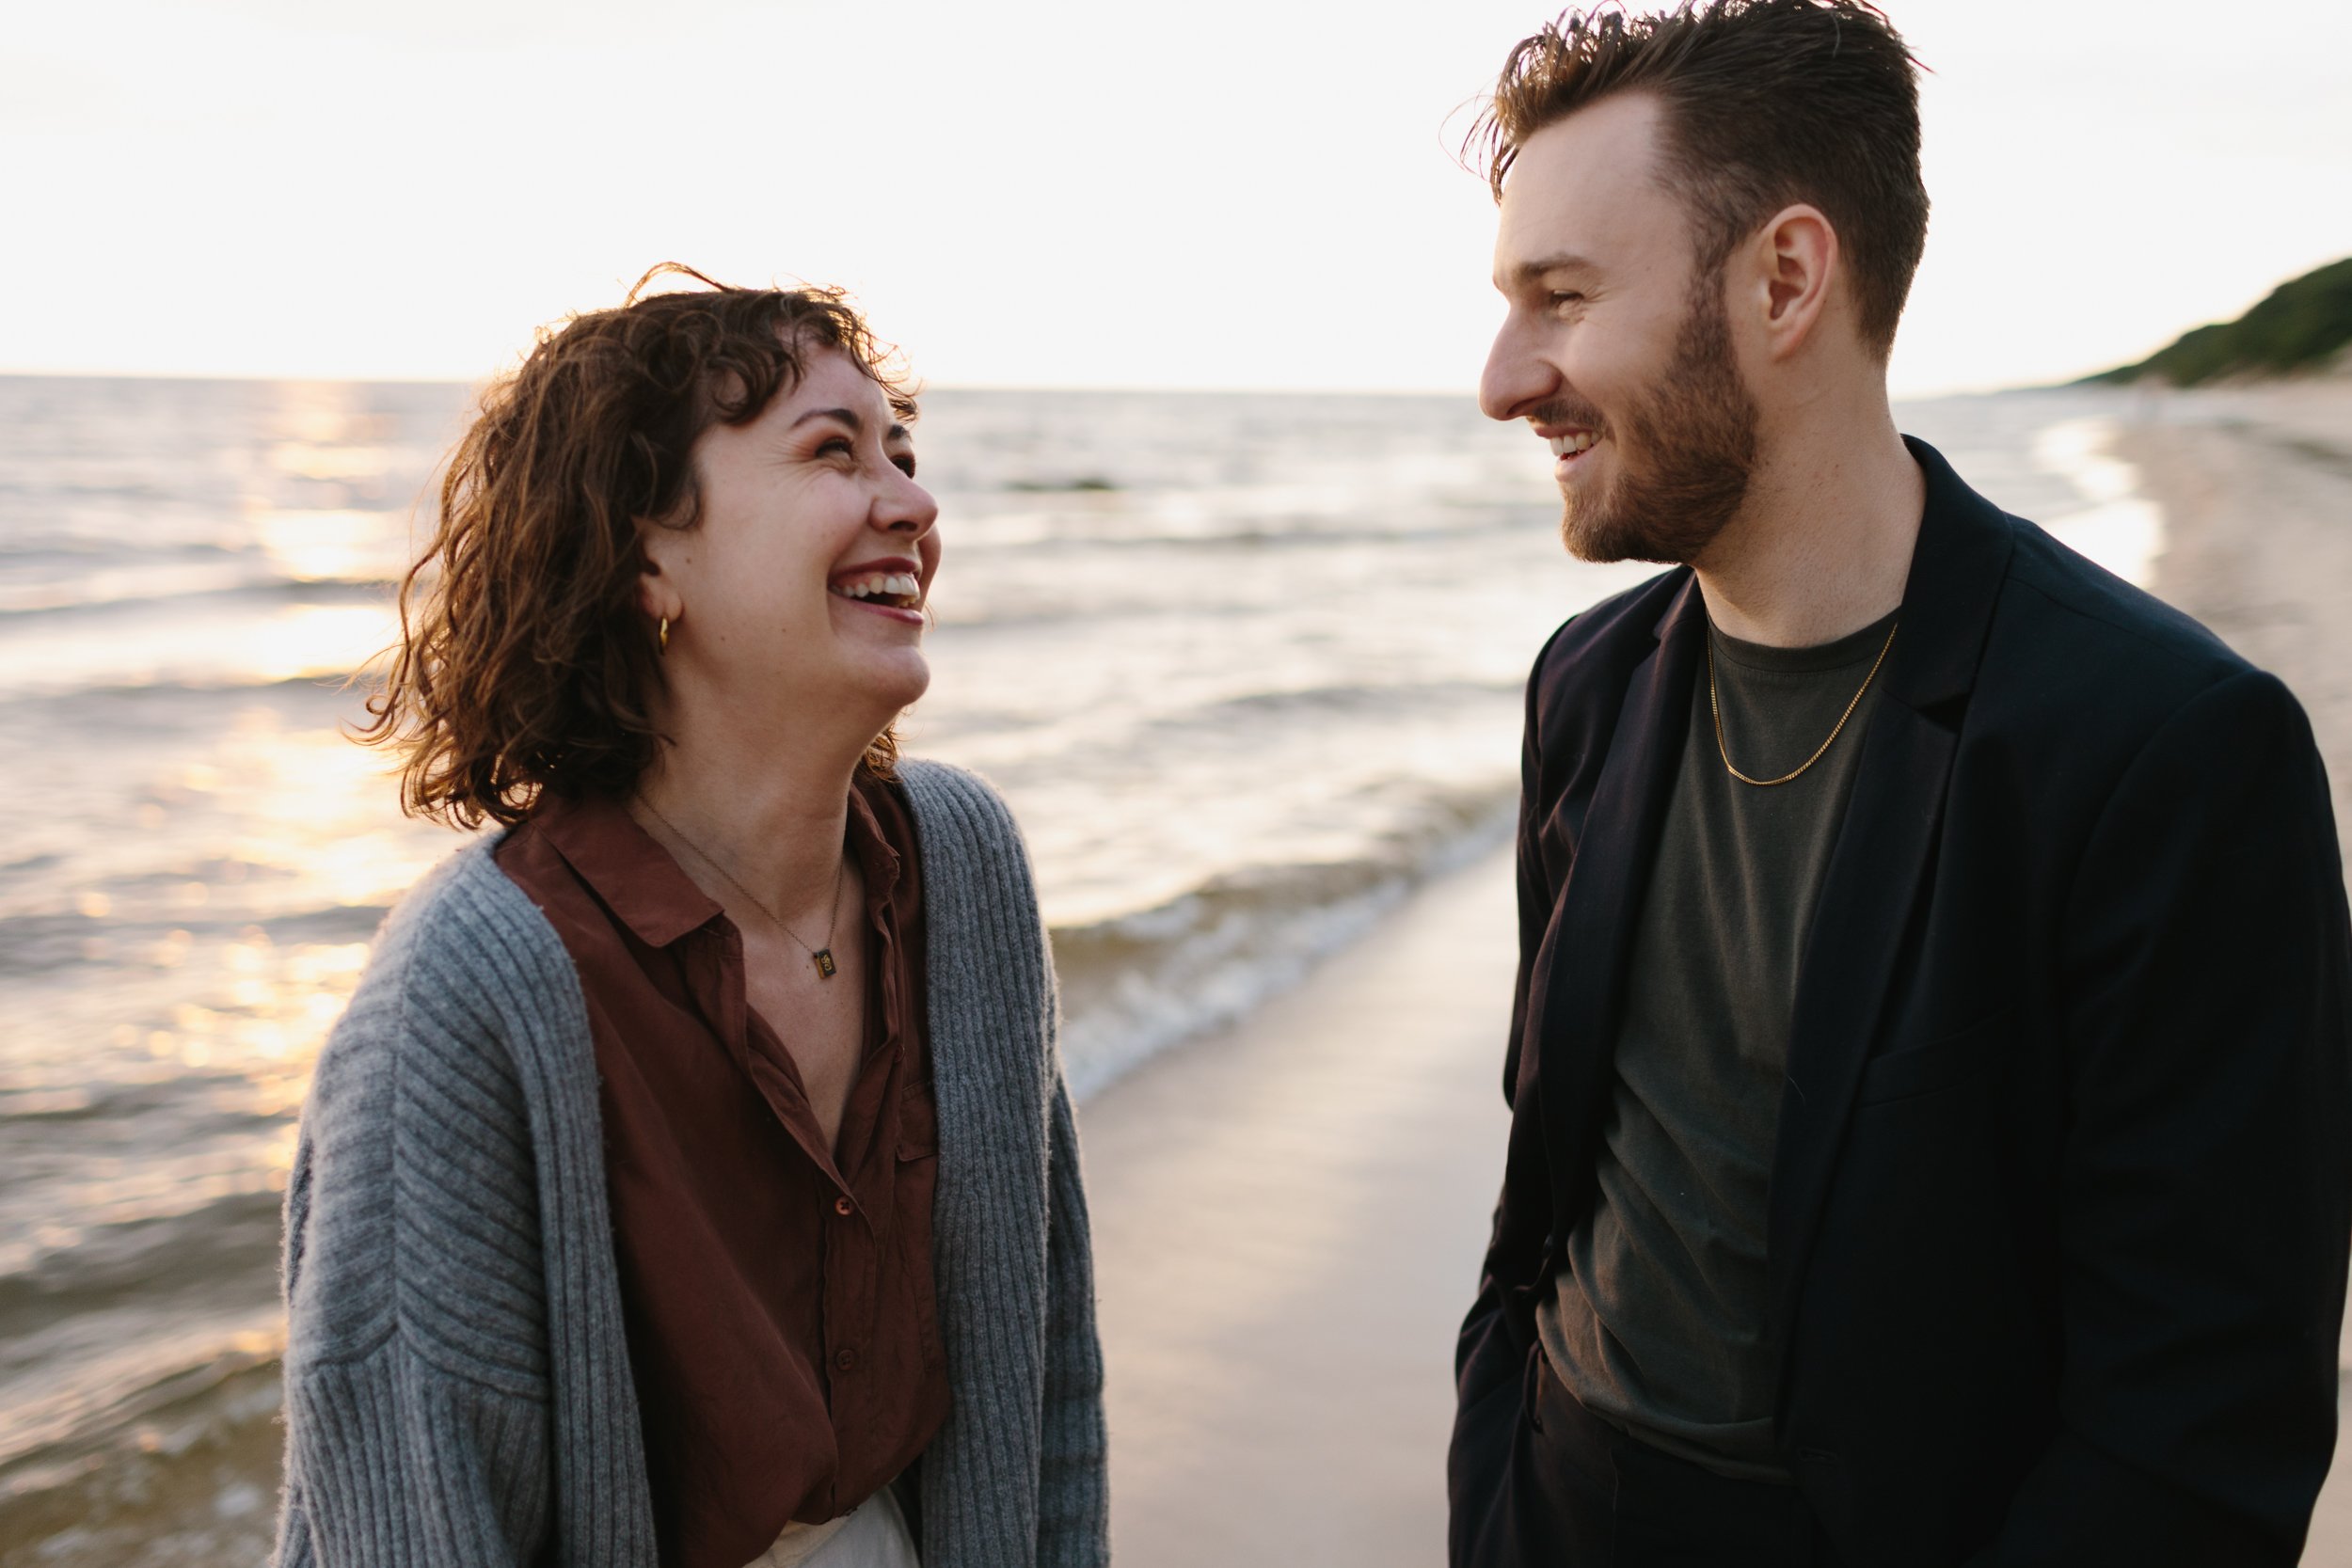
[2063,1187]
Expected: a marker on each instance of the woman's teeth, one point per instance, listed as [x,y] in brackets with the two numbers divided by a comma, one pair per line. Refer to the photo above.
[1567,446]
[899,590]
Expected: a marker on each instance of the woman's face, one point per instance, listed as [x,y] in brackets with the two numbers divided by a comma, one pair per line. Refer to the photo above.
[799,593]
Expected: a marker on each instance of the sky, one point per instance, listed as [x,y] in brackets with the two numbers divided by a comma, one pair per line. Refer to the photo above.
[1224,194]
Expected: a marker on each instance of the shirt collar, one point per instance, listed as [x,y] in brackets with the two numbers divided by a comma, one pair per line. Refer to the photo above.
[626,867]
[876,858]
[649,893]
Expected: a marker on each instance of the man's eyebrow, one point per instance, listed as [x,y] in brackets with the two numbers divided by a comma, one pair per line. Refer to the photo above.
[1566,260]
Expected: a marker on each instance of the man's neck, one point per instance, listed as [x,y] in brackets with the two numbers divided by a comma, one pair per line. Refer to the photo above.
[1822,546]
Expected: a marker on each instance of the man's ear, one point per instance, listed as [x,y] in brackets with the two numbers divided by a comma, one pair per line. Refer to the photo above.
[1791,262]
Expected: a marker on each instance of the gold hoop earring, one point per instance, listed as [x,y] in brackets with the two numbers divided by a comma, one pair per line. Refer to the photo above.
[663,634]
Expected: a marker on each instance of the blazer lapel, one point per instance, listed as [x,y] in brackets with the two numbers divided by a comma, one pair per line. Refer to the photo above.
[1592,935]
[1883,855]
[1874,877]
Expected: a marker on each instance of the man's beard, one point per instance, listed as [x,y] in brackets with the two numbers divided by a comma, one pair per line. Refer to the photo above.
[1696,437]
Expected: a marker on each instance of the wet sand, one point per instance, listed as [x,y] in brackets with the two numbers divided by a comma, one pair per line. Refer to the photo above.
[2256,487]
[1288,1222]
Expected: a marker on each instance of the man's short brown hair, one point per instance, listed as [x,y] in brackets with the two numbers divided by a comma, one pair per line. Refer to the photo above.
[1767,102]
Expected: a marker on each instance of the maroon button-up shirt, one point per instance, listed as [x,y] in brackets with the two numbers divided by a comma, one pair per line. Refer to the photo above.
[781,1326]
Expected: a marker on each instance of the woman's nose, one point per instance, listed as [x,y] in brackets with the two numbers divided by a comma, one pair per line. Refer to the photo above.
[907,510]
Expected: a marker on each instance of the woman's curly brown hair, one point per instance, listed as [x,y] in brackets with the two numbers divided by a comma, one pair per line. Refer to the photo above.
[525,664]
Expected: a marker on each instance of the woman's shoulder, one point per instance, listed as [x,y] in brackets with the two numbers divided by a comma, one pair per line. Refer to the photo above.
[978,893]
[419,1118]
[970,844]
[460,959]
[466,919]
[957,804]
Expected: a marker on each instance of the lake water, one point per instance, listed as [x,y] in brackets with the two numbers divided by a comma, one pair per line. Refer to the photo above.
[1247,667]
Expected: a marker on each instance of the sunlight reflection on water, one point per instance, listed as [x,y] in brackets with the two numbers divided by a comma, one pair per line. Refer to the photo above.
[2121,528]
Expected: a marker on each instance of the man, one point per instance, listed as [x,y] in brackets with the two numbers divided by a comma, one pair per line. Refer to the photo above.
[1930,1074]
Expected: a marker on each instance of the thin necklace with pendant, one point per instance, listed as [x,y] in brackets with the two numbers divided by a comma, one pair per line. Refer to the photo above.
[820,956]
[1715,705]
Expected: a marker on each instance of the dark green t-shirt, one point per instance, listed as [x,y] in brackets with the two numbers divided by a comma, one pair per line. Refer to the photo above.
[1658,1321]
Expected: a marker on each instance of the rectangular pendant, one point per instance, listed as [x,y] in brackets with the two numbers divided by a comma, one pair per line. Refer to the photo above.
[825,962]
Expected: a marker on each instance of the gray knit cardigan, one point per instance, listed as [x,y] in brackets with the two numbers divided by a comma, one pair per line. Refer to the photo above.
[457,1383]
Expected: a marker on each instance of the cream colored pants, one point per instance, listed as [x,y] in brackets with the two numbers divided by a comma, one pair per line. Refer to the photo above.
[872,1535]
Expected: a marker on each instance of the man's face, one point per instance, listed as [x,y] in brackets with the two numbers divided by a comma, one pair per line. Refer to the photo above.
[1613,351]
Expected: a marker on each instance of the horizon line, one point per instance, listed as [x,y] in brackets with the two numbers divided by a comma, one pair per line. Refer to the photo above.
[1115,388]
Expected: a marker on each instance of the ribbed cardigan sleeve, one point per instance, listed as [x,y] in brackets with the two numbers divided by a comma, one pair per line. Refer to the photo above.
[423,1422]
[1017,1475]
[457,1380]
[1074,1499]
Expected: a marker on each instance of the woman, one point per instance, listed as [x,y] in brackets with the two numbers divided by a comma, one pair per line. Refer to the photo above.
[692,1179]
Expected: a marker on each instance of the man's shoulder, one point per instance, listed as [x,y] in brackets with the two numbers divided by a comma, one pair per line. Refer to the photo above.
[2074,644]
[1602,643]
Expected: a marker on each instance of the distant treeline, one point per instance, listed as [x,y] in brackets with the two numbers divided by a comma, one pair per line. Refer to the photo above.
[2300,325]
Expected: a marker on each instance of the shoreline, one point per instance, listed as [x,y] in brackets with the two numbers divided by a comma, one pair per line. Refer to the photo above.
[1252,1302]
[2256,487]
[1289,1208]
[1288,1220]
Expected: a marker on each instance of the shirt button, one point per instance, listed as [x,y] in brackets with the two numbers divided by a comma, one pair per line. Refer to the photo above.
[843,1207]
[845,1359]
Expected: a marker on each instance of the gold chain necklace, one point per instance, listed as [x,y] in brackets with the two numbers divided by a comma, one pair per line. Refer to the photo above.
[1715,705]
[820,956]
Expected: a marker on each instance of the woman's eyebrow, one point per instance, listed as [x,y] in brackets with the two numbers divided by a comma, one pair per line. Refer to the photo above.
[857,425]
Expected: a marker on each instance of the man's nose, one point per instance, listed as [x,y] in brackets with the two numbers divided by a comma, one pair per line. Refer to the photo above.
[1517,378]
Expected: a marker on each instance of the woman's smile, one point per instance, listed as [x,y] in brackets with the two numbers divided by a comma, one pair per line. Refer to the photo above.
[891,586]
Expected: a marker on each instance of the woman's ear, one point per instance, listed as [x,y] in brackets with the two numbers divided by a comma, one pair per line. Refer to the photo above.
[657,592]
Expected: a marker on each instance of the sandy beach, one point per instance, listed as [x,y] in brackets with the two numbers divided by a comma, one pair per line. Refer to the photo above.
[1288,1217]
[1288,1214]
[2256,487]
[1288,1221]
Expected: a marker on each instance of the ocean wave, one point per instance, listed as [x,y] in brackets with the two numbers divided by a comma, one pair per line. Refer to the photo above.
[262,588]
[226,688]
[223,1244]
[1137,984]
[1358,698]
[45,944]
[187,1473]
[1013,535]
[234,686]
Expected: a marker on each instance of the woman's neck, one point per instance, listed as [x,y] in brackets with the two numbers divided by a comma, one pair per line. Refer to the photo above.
[772,818]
